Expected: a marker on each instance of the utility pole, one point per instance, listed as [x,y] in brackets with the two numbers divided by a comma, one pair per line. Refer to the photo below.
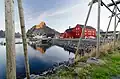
[10,40]
[22,23]
[98,30]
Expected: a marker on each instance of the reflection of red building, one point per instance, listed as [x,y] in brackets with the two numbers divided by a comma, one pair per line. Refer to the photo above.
[77,30]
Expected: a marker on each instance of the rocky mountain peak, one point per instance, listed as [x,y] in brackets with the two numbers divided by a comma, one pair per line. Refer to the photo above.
[42,29]
[41,25]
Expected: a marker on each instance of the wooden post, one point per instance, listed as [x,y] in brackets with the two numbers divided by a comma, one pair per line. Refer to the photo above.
[114,33]
[108,25]
[10,40]
[22,23]
[98,30]
[118,38]
[83,29]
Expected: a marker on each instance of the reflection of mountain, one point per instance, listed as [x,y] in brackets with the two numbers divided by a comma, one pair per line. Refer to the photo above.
[2,34]
[42,49]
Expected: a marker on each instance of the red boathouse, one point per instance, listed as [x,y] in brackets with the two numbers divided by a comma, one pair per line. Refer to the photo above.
[75,32]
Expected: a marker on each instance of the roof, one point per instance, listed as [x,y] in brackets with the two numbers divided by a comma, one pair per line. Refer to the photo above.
[69,30]
[108,32]
[89,27]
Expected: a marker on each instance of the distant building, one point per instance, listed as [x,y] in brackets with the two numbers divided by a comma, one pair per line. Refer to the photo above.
[109,34]
[75,32]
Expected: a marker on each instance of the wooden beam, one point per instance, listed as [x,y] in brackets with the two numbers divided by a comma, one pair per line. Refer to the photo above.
[22,23]
[83,29]
[98,28]
[115,25]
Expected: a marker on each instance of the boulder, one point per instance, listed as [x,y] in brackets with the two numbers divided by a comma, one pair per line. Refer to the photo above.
[96,61]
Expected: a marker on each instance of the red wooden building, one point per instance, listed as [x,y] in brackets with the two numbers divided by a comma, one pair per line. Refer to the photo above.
[75,32]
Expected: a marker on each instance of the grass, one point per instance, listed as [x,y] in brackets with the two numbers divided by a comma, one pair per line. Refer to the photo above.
[111,68]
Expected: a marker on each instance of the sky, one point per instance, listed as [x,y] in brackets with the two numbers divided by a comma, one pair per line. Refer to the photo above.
[58,14]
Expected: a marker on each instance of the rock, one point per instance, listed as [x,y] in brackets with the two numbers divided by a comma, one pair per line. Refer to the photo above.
[32,76]
[71,61]
[55,64]
[93,60]
[44,73]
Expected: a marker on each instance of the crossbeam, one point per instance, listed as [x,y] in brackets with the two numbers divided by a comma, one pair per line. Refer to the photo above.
[115,5]
[111,4]
[109,9]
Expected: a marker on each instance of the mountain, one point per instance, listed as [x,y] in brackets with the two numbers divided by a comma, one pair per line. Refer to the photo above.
[42,29]
[2,34]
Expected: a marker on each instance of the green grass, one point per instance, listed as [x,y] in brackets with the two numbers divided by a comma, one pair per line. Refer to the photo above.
[111,68]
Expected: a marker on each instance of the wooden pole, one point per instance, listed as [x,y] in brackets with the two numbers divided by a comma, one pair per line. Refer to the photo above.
[10,40]
[22,23]
[118,38]
[114,33]
[108,26]
[98,30]
[83,29]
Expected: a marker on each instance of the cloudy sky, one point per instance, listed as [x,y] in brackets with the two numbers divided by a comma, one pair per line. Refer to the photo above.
[58,14]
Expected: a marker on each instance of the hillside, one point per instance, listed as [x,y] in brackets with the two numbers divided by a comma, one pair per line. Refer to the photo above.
[2,34]
[41,29]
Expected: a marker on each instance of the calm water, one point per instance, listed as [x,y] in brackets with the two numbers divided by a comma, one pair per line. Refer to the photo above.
[39,60]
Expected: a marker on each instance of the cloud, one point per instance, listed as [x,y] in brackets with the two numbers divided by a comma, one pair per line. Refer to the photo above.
[51,13]
[43,16]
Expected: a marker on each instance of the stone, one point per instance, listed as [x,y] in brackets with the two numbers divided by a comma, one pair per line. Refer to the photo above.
[96,61]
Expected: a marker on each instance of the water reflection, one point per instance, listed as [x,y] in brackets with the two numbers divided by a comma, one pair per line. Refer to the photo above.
[42,49]
[40,59]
